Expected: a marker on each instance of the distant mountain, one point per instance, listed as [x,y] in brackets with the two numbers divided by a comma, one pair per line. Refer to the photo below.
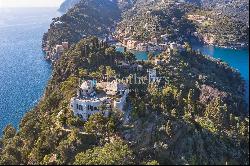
[194,115]
[149,19]
[237,9]
[88,17]
[67,4]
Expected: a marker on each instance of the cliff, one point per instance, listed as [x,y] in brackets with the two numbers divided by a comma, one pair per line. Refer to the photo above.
[194,116]
[68,4]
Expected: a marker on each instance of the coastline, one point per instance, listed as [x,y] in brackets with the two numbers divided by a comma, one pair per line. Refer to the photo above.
[198,102]
[24,73]
[229,46]
[141,55]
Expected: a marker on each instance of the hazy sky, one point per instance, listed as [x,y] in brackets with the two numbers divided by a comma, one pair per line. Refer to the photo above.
[30,3]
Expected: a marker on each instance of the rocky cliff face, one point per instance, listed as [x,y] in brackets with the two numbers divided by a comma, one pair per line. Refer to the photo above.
[238,9]
[209,133]
[66,5]
[196,118]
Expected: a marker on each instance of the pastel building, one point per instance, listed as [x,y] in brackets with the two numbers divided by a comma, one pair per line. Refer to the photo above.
[142,47]
[132,44]
[125,41]
[59,48]
[65,45]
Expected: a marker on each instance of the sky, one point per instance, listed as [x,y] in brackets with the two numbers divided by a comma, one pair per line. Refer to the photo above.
[30,3]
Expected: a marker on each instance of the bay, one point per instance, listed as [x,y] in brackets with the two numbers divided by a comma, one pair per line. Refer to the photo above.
[237,59]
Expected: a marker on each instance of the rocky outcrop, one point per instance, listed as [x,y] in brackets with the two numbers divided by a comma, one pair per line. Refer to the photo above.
[209,93]
[68,4]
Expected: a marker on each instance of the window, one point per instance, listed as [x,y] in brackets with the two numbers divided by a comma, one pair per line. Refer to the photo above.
[91,108]
[80,116]
[80,107]
[77,106]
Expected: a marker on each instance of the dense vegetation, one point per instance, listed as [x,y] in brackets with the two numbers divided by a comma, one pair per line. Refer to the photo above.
[169,124]
[229,22]
[191,120]
[154,18]
[45,137]
[225,30]
[236,9]
[90,17]
[68,4]
[195,115]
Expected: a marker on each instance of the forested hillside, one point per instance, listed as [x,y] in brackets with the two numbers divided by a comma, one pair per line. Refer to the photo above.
[66,5]
[196,118]
[226,22]
[90,17]
[150,19]
[194,115]
[237,9]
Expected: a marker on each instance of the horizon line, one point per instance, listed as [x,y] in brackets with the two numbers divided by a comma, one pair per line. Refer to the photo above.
[6,7]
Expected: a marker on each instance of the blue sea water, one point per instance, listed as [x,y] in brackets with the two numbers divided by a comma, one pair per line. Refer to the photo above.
[23,71]
[238,59]
[140,55]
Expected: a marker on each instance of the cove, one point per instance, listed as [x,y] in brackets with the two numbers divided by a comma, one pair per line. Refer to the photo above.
[237,59]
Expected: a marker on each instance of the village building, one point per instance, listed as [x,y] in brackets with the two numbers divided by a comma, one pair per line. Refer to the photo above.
[158,61]
[132,44]
[58,24]
[142,47]
[59,48]
[209,39]
[125,41]
[123,65]
[165,37]
[55,52]
[163,46]
[65,45]
[127,66]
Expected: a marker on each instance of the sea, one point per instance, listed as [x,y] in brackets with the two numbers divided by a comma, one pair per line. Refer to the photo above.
[236,58]
[23,71]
